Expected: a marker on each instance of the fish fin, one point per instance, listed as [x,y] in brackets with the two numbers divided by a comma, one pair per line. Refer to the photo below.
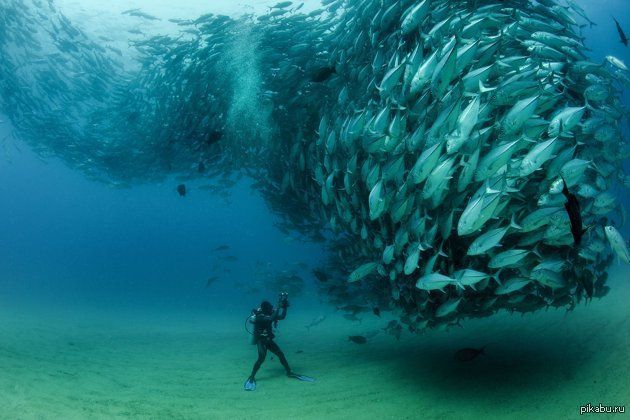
[588,106]
[491,191]
[483,89]
[536,252]
[513,223]
[460,285]
[565,189]
[441,251]
[599,171]
[497,278]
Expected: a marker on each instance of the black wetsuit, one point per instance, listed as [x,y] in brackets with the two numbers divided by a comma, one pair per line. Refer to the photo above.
[263,338]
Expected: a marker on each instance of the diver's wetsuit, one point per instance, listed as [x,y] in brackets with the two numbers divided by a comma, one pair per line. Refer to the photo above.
[263,338]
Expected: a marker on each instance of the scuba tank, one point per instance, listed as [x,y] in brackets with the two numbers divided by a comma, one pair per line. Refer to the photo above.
[251,317]
[282,303]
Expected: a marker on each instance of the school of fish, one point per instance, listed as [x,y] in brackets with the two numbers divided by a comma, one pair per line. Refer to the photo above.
[427,141]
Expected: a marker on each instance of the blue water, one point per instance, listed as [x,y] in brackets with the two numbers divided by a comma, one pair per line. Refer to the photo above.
[66,240]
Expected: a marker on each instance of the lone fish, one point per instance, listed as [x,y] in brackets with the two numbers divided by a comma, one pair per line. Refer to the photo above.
[316,321]
[467,354]
[323,74]
[572,207]
[622,35]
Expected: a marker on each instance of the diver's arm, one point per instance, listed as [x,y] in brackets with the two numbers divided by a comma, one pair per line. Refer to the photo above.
[280,313]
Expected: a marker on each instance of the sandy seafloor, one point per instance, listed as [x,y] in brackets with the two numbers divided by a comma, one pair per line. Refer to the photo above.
[72,363]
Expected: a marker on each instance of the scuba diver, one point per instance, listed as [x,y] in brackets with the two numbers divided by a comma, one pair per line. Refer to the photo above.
[264,320]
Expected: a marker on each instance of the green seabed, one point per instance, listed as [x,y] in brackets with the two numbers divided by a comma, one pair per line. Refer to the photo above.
[76,363]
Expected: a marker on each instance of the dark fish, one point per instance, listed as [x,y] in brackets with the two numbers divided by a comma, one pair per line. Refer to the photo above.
[231,258]
[351,317]
[133,116]
[467,354]
[138,13]
[221,248]
[601,292]
[376,311]
[396,332]
[622,35]
[322,74]
[359,339]
[586,282]
[320,275]
[201,168]
[392,324]
[211,280]
[181,189]
[354,309]
[572,207]
[214,136]
[300,351]
[282,5]
[316,321]
[394,328]
[588,286]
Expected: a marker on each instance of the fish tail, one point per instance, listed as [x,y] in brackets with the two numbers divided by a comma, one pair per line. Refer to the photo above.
[565,189]
[513,223]
[441,251]
[497,278]
[483,89]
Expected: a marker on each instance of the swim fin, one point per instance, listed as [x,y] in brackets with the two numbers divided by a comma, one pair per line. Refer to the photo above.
[250,385]
[301,377]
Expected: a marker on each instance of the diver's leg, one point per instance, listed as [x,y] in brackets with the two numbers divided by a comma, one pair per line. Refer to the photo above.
[273,347]
[262,353]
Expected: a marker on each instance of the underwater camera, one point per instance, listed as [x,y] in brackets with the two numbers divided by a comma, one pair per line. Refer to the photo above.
[283,299]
